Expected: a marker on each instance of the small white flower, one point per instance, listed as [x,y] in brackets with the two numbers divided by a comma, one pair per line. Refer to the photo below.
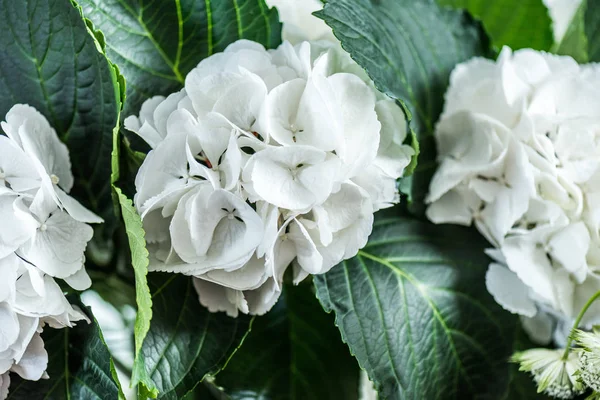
[590,357]
[553,375]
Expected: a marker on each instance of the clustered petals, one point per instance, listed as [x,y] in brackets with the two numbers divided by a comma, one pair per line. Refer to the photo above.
[519,158]
[266,159]
[43,236]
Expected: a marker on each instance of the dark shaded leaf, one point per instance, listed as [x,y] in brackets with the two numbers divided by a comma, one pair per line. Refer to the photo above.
[293,352]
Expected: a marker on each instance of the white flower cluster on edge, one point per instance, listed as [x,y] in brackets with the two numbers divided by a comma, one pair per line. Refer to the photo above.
[43,235]
[265,157]
[519,153]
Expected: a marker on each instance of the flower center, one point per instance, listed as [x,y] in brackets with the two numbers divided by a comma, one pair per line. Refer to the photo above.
[43,227]
[55,179]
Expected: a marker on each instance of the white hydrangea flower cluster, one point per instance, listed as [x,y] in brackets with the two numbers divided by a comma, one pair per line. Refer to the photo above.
[519,154]
[265,157]
[43,235]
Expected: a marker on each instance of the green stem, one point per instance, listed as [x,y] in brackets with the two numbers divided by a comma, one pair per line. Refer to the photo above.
[577,322]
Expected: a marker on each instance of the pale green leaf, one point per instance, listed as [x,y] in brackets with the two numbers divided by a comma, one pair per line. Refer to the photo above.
[139,261]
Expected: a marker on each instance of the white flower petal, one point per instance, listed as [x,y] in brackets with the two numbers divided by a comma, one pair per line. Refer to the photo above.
[80,280]
[76,210]
[58,246]
[509,291]
[218,298]
[569,247]
[4,384]
[16,168]
[9,326]
[539,328]
[41,143]
[293,178]
[18,225]
[34,362]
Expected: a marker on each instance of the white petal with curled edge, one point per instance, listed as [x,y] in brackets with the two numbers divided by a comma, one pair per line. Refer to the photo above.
[32,302]
[76,210]
[144,125]
[58,247]
[356,102]
[381,188]
[539,328]
[9,326]
[392,156]
[34,362]
[17,226]
[261,300]
[28,327]
[509,291]
[80,280]
[294,178]
[180,229]
[164,171]
[307,254]
[164,110]
[4,384]
[455,206]
[15,118]
[530,263]
[213,133]
[241,103]
[250,276]
[215,298]
[279,113]
[41,142]
[238,233]
[16,168]
[231,165]
[569,247]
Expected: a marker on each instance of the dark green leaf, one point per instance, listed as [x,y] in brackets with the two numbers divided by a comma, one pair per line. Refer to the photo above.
[575,42]
[415,311]
[514,23]
[592,28]
[186,341]
[50,61]
[408,48]
[293,352]
[79,365]
[521,385]
[157,42]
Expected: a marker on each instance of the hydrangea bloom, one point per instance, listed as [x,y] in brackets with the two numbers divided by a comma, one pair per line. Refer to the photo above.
[43,236]
[554,374]
[264,158]
[519,158]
